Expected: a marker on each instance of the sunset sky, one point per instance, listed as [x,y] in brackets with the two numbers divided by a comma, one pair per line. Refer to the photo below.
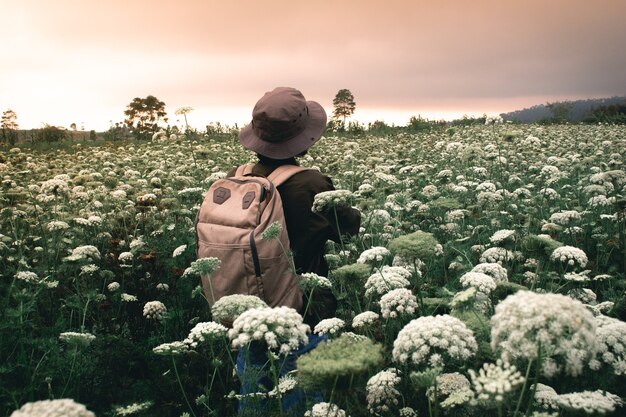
[78,61]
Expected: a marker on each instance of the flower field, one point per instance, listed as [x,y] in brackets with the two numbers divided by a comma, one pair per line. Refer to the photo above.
[488,278]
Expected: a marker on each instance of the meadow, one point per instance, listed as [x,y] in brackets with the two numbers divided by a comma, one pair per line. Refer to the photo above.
[488,278]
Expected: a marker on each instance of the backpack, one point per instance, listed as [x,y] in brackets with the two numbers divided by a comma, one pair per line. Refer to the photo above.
[230,223]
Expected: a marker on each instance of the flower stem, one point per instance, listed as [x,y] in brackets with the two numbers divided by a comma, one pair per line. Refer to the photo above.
[180,384]
[338,228]
[69,378]
[521,395]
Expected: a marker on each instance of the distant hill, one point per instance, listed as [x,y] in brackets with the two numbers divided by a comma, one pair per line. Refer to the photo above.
[579,110]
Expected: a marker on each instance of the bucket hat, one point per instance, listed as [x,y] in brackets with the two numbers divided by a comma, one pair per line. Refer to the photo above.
[284,124]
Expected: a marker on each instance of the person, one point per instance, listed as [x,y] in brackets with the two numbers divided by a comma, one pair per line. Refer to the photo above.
[284,126]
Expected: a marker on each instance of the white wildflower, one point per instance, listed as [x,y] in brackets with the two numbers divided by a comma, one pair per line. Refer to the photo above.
[611,339]
[228,308]
[154,310]
[329,199]
[382,282]
[398,302]
[497,255]
[373,255]
[286,383]
[311,280]
[173,348]
[502,235]
[447,385]
[179,251]
[482,282]
[57,225]
[77,339]
[84,252]
[27,276]
[325,410]
[569,255]
[590,402]
[546,396]
[382,394]
[281,328]
[493,382]
[205,332]
[329,326]
[442,338]
[494,270]
[561,326]
[53,408]
[128,298]
[565,217]
[125,257]
[364,319]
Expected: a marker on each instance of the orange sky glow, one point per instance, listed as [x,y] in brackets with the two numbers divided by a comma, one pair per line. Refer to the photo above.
[76,61]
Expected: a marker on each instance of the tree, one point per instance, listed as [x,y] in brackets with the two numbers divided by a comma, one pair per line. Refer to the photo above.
[143,116]
[49,134]
[344,105]
[9,127]
[560,111]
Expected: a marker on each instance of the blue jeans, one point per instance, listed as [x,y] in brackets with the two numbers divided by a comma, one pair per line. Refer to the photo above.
[254,372]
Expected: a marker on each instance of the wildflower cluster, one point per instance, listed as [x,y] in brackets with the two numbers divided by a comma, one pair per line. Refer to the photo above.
[494,270]
[373,255]
[570,255]
[173,348]
[611,345]
[398,302]
[381,282]
[560,328]
[382,394]
[228,308]
[434,341]
[202,266]
[329,326]
[205,332]
[325,410]
[77,339]
[337,361]
[280,328]
[329,199]
[493,382]
[53,408]
[154,310]
[417,245]
[482,282]
[310,280]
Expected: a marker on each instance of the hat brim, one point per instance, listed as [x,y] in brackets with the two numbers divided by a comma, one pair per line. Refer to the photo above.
[312,132]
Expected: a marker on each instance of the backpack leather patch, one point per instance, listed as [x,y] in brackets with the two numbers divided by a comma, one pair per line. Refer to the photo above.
[220,195]
[247,199]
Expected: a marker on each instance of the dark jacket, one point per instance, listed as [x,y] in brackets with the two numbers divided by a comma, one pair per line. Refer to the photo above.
[309,231]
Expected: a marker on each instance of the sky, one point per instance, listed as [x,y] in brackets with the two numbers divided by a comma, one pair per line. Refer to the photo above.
[83,62]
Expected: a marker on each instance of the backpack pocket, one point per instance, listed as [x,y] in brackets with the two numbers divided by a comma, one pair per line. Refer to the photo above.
[236,272]
[280,284]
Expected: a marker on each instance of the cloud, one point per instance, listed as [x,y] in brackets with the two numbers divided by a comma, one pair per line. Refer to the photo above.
[400,55]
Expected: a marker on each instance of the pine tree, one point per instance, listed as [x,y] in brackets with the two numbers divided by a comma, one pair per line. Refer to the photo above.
[344,105]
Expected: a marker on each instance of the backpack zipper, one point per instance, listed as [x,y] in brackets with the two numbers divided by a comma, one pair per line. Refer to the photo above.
[264,190]
[255,256]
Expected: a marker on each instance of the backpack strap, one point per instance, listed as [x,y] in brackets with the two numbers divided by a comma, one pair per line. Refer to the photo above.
[284,172]
[243,170]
